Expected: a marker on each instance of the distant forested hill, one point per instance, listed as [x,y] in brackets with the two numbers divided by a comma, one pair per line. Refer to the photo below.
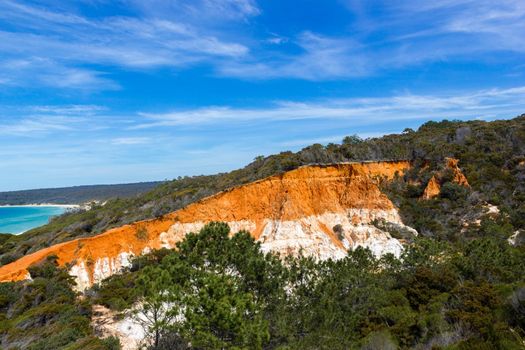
[75,195]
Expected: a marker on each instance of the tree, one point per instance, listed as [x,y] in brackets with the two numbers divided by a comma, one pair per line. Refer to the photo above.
[158,303]
[352,140]
[258,159]
[219,315]
[212,292]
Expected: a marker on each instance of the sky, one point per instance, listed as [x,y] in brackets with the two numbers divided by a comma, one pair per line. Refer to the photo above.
[96,91]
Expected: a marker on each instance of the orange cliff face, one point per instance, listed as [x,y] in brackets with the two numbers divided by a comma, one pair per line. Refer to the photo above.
[292,213]
[433,188]
[459,178]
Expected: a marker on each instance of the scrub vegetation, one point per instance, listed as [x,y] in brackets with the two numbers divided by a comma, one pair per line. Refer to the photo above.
[224,293]
[491,155]
[458,285]
[219,291]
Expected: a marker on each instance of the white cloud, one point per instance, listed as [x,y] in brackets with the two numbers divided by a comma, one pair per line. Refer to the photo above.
[61,145]
[34,121]
[479,104]
[31,126]
[389,35]
[121,41]
[65,49]
[276,40]
[68,109]
[321,58]
[203,11]
[410,19]
[130,140]
[57,46]
[358,111]
[44,72]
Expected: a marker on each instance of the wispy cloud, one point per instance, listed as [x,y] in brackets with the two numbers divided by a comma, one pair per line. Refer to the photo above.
[388,35]
[43,72]
[200,10]
[68,109]
[32,121]
[68,49]
[57,145]
[130,140]
[320,57]
[480,104]
[360,111]
[31,126]
[485,25]
[58,46]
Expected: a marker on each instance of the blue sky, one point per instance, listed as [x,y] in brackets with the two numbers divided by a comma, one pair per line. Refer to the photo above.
[96,91]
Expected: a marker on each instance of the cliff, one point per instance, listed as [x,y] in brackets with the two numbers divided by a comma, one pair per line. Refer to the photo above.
[320,211]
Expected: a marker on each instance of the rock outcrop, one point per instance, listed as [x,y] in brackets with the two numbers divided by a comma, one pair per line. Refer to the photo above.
[459,178]
[517,239]
[319,211]
[127,329]
[433,188]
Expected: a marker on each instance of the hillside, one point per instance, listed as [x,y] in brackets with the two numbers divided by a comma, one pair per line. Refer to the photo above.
[455,282]
[491,155]
[76,194]
[317,211]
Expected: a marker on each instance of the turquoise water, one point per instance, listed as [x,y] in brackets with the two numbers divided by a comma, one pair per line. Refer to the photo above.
[19,219]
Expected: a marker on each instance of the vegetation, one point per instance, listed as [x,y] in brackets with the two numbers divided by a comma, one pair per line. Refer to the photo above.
[46,314]
[459,285]
[491,154]
[4,237]
[218,291]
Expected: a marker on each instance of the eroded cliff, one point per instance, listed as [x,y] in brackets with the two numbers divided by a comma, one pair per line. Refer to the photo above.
[319,211]
[433,188]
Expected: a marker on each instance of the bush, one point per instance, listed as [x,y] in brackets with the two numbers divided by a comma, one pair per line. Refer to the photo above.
[453,192]
[46,313]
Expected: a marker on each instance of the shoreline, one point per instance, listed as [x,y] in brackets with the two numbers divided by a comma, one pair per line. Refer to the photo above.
[40,205]
[66,207]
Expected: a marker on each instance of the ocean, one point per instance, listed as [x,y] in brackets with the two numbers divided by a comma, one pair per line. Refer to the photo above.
[18,219]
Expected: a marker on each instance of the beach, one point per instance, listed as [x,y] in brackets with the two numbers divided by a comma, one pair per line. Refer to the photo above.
[17,219]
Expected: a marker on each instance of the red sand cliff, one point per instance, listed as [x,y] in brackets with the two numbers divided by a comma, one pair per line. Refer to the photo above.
[310,190]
